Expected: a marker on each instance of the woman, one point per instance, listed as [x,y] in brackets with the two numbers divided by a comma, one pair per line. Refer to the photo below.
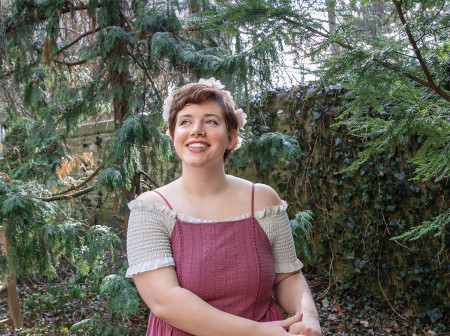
[208,250]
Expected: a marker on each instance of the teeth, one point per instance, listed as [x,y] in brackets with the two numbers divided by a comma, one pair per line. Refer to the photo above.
[197,145]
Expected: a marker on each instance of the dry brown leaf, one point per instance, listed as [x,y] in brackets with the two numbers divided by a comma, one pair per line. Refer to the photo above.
[365,323]
[393,324]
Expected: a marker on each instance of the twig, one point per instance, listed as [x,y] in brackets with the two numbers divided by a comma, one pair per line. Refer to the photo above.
[381,287]
[77,39]
[81,184]
[329,277]
[429,82]
[65,197]
[149,177]
[70,64]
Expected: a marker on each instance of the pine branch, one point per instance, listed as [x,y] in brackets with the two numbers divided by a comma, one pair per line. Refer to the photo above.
[429,82]
[144,68]
[67,7]
[317,32]
[398,6]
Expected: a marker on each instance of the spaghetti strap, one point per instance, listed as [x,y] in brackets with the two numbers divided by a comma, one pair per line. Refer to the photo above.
[253,199]
[168,204]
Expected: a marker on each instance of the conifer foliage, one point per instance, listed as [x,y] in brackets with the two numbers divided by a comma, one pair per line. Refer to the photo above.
[65,63]
[392,57]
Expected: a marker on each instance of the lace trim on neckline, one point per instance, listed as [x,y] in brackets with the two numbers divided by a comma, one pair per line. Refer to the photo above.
[259,214]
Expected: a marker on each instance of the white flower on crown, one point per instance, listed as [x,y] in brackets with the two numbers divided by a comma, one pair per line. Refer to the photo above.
[238,143]
[241,117]
[166,107]
[212,82]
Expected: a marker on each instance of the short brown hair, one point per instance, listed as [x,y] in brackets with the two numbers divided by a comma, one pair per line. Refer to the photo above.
[197,93]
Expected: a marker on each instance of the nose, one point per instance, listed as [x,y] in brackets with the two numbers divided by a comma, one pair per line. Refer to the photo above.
[197,129]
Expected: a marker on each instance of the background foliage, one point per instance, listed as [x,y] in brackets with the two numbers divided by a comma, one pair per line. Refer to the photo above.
[357,214]
[382,171]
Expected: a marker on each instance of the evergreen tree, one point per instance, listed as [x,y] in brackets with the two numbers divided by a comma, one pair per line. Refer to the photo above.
[393,61]
[65,63]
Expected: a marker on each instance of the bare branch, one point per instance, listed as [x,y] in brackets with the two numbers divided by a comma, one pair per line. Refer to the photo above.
[66,197]
[77,39]
[90,177]
[317,32]
[149,177]
[423,64]
[69,64]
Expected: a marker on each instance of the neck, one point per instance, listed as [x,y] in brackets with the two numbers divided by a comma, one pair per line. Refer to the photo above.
[203,182]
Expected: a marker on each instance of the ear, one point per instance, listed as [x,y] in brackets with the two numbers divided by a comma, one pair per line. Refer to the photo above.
[232,139]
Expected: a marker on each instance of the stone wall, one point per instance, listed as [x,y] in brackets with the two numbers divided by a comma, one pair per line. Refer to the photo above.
[91,141]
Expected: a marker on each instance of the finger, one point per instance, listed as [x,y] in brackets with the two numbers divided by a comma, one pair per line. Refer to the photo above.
[291,320]
[300,329]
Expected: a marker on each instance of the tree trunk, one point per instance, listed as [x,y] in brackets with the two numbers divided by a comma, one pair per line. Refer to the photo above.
[335,49]
[121,103]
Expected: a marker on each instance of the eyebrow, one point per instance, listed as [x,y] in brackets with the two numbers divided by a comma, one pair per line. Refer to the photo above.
[183,115]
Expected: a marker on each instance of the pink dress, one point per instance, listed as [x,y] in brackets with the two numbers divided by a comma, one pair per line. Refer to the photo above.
[228,264]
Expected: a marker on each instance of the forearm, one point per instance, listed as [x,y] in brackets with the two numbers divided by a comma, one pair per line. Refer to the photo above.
[294,295]
[186,311]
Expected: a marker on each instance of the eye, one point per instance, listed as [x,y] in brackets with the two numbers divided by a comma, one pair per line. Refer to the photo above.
[184,122]
[210,121]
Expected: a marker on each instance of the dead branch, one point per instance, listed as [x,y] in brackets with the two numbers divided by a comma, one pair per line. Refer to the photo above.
[77,39]
[65,197]
[70,64]
[90,177]
[149,177]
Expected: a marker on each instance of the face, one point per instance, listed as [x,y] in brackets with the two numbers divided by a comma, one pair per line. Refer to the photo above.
[201,136]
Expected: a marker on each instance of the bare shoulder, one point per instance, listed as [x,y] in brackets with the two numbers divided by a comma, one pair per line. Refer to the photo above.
[150,196]
[265,196]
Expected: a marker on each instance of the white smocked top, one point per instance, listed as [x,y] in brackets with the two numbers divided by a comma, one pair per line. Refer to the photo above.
[150,227]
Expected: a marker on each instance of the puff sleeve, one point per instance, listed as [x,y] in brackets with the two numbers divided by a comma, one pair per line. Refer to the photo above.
[148,237]
[275,222]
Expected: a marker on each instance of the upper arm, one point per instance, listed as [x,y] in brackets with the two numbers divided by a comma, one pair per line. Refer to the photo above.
[155,285]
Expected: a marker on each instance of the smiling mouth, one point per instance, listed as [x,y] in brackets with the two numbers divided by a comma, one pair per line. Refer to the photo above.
[197,145]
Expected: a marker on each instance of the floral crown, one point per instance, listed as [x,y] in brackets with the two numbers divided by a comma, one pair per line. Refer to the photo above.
[214,83]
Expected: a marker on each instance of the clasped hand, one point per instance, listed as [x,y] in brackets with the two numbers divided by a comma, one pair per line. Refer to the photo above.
[294,325]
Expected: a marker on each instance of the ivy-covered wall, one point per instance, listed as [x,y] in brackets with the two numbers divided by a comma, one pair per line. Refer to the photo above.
[356,214]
